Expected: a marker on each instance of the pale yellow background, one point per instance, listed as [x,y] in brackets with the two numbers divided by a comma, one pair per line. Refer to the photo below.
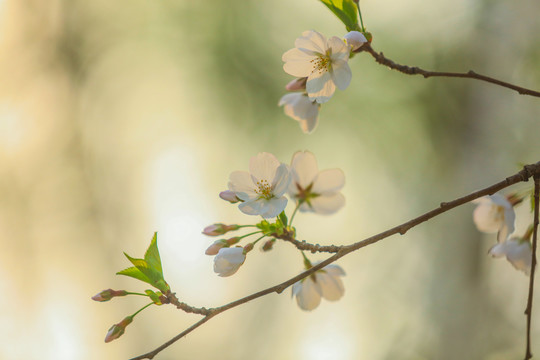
[119,118]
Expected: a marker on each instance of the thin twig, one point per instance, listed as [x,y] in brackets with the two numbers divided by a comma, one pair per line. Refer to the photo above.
[381,59]
[524,175]
[528,310]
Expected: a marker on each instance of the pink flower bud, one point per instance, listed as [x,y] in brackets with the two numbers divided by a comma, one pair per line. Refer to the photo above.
[117,330]
[214,248]
[248,248]
[229,196]
[268,245]
[219,229]
[296,84]
[233,240]
[108,294]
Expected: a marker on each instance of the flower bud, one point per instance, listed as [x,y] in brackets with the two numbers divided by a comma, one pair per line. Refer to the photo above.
[214,248]
[219,229]
[117,330]
[268,245]
[248,248]
[229,196]
[233,240]
[229,260]
[355,39]
[108,294]
[296,84]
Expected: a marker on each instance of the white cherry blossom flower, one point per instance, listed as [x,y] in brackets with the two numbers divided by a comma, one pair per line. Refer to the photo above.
[324,283]
[228,261]
[517,251]
[317,191]
[355,39]
[262,189]
[302,109]
[494,213]
[322,61]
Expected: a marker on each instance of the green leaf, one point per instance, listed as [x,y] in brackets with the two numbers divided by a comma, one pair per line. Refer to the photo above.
[134,273]
[148,269]
[283,218]
[345,10]
[152,255]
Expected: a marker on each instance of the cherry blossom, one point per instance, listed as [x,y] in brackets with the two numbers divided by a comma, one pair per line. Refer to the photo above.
[262,189]
[322,61]
[494,213]
[517,251]
[228,261]
[302,109]
[317,191]
[324,283]
[355,39]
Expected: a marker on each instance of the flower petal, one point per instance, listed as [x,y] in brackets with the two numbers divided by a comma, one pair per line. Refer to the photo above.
[341,74]
[498,250]
[254,207]
[263,166]
[297,63]
[334,270]
[320,86]
[327,204]
[304,168]
[241,184]
[519,254]
[308,294]
[312,40]
[281,180]
[309,125]
[274,207]
[329,181]
[332,286]
[340,49]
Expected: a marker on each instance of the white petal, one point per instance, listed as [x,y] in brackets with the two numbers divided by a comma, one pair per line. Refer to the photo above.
[263,166]
[308,125]
[253,207]
[340,50]
[509,219]
[341,74]
[274,207]
[355,39]
[240,182]
[308,295]
[329,181]
[299,107]
[486,217]
[498,250]
[334,270]
[304,168]
[320,86]
[281,180]
[297,63]
[327,204]
[519,254]
[313,41]
[332,286]
[228,261]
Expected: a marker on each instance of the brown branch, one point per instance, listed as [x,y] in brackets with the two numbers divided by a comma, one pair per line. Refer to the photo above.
[381,59]
[528,310]
[524,175]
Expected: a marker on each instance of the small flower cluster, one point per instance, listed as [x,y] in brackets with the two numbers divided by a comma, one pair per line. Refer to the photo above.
[320,66]
[263,192]
[495,214]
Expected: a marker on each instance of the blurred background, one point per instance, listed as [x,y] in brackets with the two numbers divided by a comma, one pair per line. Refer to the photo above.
[121,118]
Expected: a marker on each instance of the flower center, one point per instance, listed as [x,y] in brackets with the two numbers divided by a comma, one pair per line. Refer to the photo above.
[321,63]
[264,189]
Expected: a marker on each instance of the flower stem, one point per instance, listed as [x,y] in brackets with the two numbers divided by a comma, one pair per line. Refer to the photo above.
[253,233]
[134,293]
[294,213]
[141,309]
[360,15]
[307,263]
[256,241]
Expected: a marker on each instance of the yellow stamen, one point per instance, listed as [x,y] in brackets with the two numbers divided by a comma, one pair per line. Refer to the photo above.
[264,189]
